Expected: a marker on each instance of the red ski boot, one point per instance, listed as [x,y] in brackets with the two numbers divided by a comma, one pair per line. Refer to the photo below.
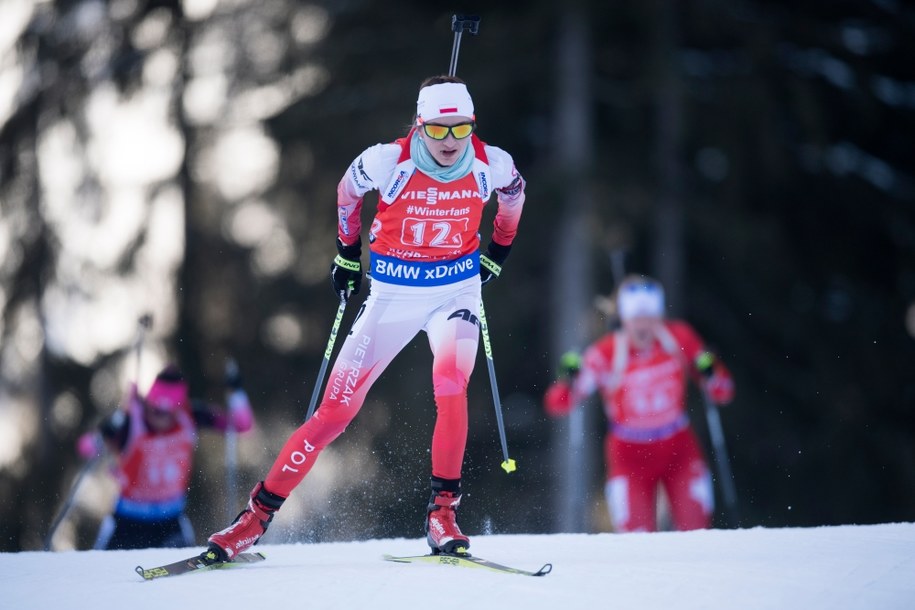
[249,525]
[442,531]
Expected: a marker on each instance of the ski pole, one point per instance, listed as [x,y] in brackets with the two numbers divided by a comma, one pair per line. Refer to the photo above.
[145,323]
[231,446]
[508,464]
[471,23]
[327,353]
[68,503]
[721,458]
[618,265]
[459,23]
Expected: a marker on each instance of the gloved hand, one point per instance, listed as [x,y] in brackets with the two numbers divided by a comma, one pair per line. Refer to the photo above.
[705,364]
[491,261]
[570,364]
[241,417]
[717,383]
[720,389]
[346,270]
[89,445]
[557,401]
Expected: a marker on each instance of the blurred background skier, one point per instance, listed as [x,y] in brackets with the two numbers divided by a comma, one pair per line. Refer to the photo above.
[642,371]
[153,439]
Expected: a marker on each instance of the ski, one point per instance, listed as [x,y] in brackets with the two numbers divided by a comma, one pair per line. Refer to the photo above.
[468,561]
[204,561]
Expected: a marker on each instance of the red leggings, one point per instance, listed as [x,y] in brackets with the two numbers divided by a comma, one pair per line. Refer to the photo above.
[391,317]
[635,470]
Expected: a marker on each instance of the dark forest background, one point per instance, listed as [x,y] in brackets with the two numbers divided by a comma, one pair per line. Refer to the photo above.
[755,156]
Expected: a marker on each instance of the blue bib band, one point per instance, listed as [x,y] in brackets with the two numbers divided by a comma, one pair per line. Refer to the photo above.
[149,511]
[631,434]
[412,273]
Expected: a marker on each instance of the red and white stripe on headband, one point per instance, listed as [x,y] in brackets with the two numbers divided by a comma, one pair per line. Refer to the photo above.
[444,99]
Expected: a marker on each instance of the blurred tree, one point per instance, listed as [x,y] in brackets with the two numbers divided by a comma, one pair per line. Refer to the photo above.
[572,266]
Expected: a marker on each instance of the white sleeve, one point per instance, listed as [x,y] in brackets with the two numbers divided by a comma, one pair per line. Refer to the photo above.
[509,188]
[502,167]
[372,169]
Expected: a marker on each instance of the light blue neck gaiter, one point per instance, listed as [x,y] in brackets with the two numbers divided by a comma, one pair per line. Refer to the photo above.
[429,166]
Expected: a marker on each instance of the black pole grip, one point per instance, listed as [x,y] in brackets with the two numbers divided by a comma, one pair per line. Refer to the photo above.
[460,23]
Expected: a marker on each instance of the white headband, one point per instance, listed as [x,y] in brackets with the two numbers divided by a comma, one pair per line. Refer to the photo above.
[444,99]
[637,300]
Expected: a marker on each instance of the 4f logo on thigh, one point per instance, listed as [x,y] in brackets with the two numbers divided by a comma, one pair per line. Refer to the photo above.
[465,315]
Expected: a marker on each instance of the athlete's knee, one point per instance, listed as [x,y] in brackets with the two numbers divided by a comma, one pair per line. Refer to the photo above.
[452,405]
[328,423]
[450,381]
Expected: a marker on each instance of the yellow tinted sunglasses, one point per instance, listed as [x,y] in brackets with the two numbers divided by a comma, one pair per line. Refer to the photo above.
[440,132]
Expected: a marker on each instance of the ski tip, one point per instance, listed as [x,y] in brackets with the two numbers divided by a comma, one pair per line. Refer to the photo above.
[546,569]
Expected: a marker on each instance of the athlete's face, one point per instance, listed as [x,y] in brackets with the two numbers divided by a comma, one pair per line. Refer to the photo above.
[641,330]
[446,152]
[159,420]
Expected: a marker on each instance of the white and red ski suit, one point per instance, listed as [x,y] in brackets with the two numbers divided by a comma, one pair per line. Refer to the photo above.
[425,276]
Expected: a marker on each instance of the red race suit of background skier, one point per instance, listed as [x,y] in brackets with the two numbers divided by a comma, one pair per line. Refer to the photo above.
[153,439]
[641,372]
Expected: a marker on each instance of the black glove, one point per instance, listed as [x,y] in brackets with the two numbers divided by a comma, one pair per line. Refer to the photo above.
[491,261]
[346,270]
[570,365]
[705,364]
[233,379]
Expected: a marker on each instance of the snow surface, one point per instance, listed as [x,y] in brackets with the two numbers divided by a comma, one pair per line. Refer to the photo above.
[869,567]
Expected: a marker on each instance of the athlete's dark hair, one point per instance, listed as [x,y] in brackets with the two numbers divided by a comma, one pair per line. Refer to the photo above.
[440,79]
